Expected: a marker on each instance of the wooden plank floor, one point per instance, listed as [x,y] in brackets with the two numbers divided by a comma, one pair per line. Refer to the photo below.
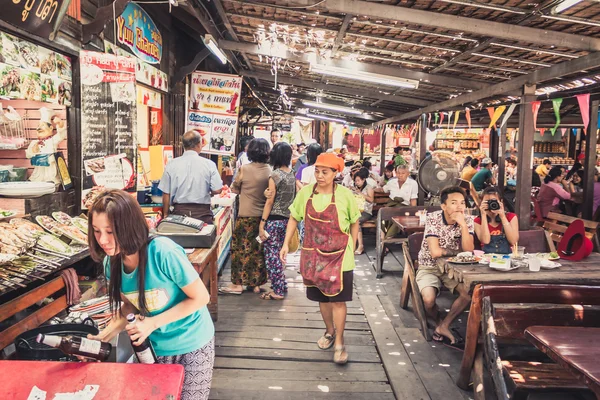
[267,349]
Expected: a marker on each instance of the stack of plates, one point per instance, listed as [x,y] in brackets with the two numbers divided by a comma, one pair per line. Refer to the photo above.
[97,309]
[26,189]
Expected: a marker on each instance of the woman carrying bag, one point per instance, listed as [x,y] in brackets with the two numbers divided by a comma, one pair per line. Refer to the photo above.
[330,215]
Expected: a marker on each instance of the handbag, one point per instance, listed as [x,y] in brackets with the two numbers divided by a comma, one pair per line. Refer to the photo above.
[294,242]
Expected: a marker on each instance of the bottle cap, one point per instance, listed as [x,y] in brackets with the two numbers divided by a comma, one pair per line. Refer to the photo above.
[131,317]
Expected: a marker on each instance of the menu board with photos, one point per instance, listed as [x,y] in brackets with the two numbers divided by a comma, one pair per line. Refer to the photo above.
[31,72]
[213,110]
[108,124]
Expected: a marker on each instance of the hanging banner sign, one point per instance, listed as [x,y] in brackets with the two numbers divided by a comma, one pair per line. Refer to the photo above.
[108,124]
[144,72]
[136,30]
[34,16]
[213,110]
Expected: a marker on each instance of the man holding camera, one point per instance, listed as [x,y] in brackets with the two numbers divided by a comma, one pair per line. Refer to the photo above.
[496,229]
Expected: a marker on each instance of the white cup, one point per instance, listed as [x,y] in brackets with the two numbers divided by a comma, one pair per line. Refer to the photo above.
[534,264]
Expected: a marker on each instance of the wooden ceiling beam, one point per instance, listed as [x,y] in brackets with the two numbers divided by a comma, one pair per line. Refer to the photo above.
[434,79]
[472,25]
[545,74]
[339,39]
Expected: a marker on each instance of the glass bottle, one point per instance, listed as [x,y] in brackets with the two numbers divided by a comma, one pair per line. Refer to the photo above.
[144,352]
[75,345]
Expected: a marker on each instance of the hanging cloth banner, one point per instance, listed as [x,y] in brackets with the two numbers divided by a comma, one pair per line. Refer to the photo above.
[442,118]
[437,116]
[563,131]
[449,118]
[535,107]
[490,111]
[496,116]
[584,107]
[456,116]
[468,116]
[556,105]
[508,114]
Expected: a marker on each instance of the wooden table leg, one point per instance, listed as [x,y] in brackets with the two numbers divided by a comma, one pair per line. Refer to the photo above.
[213,306]
[478,385]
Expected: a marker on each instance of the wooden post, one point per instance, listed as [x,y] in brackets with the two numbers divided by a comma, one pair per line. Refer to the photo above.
[382,150]
[524,168]
[494,145]
[361,152]
[501,163]
[422,151]
[589,164]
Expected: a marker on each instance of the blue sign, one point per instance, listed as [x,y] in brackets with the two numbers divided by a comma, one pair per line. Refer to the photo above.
[136,30]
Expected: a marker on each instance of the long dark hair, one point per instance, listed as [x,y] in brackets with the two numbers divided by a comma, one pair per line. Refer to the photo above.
[130,231]
[554,173]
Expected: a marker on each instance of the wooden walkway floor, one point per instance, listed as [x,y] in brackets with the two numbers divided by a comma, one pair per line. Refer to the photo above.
[267,349]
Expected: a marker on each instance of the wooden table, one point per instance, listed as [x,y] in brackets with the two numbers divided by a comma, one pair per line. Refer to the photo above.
[409,224]
[205,263]
[115,380]
[584,272]
[573,348]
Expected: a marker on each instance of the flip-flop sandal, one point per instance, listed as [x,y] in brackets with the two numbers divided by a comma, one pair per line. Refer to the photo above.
[269,296]
[326,341]
[226,290]
[356,253]
[459,343]
[340,356]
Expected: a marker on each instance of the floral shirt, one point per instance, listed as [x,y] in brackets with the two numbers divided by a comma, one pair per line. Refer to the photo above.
[449,236]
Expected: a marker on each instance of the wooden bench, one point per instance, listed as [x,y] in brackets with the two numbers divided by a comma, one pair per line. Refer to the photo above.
[517,313]
[537,242]
[548,305]
[556,224]
[36,318]
[386,214]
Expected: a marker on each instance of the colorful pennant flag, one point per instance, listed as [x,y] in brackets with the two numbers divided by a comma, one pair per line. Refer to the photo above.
[429,119]
[496,115]
[563,131]
[584,107]
[574,130]
[449,118]
[508,114]
[490,111]
[556,106]
[437,116]
[442,118]
[468,116]
[535,107]
[456,116]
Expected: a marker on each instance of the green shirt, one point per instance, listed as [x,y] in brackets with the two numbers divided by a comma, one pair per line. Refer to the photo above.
[167,271]
[480,178]
[399,160]
[347,210]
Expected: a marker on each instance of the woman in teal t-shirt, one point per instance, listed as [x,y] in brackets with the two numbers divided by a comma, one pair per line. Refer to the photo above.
[172,309]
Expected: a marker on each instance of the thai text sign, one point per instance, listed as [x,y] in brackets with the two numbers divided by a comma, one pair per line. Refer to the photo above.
[35,16]
[213,110]
[136,30]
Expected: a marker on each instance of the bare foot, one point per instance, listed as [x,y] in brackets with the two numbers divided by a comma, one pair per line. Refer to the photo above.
[444,331]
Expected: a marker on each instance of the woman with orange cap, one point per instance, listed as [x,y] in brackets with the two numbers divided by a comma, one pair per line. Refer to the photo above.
[330,214]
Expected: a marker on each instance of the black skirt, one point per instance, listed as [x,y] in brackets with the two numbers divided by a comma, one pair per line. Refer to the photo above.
[314,294]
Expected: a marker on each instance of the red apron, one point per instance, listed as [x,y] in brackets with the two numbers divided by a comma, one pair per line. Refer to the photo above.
[323,249]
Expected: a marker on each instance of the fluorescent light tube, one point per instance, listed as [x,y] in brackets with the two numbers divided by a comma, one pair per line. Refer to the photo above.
[209,42]
[317,116]
[332,107]
[364,76]
[565,4]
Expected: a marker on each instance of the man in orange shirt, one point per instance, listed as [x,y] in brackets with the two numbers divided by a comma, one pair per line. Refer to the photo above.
[470,170]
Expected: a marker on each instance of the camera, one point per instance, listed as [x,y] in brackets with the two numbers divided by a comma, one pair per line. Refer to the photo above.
[493,205]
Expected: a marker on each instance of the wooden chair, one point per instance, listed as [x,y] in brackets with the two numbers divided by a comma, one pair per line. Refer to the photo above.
[410,249]
[386,214]
[516,307]
[536,218]
[517,376]
[556,224]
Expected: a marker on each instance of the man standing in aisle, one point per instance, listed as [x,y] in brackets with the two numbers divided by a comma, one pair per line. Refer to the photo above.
[484,175]
[275,137]
[189,181]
